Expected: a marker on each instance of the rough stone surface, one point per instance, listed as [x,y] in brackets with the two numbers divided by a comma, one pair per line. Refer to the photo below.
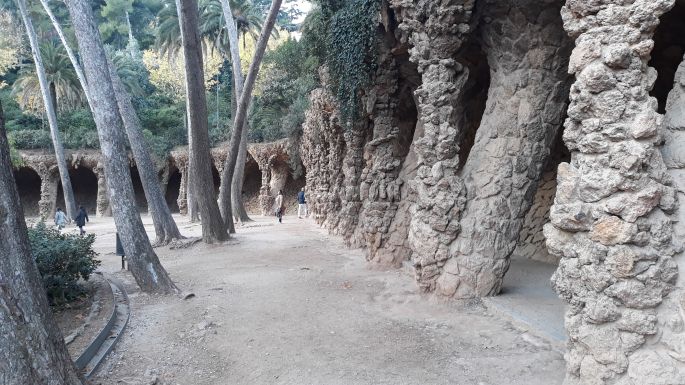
[610,222]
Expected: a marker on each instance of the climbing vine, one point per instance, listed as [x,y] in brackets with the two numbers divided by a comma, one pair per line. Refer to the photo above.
[351,49]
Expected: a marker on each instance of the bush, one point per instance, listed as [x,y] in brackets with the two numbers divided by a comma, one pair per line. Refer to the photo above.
[31,139]
[62,260]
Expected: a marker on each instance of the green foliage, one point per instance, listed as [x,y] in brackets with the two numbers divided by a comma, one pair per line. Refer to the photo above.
[351,49]
[31,139]
[290,74]
[78,129]
[62,260]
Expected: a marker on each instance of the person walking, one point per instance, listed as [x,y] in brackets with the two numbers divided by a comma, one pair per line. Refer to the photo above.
[81,219]
[278,205]
[60,218]
[301,204]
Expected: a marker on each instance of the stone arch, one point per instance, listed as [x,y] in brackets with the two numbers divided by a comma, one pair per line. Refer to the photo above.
[173,189]
[85,185]
[252,184]
[669,48]
[28,185]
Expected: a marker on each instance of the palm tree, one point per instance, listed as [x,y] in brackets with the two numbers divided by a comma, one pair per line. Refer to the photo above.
[65,89]
[70,203]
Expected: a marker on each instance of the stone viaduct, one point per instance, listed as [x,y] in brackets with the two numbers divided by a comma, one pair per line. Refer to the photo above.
[546,129]
[266,171]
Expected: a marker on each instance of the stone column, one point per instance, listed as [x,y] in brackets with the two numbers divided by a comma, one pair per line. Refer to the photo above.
[610,223]
[440,191]
[266,200]
[380,187]
[182,199]
[527,51]
[49,182]
[103,209]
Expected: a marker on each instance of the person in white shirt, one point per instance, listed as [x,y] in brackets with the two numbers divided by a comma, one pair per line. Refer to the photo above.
[60,218]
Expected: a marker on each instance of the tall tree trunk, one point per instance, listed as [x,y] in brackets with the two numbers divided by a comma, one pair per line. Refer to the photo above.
[32,349]
[144,264]
[165,227]
[69,200]
[238,208]
[213,227]
[237,201]
[241,113]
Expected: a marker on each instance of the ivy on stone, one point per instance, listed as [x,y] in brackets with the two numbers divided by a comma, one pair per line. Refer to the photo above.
[351,50]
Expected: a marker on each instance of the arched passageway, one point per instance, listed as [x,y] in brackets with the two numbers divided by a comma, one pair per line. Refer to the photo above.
[251,186]
[85,185]
[217,180]
[173,189]
[28,185]
[669,48]
[139,192]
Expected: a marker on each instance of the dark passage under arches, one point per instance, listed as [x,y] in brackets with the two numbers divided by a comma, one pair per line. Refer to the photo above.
[28,185]
[669,47]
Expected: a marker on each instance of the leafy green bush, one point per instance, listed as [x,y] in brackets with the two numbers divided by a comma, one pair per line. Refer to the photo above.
[62,260]
[31,139]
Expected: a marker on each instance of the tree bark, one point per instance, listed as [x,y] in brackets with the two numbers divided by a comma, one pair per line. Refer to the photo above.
[213,226]
[237,204]
[32,349]
[143,262]
[69,200]
[241,113]
[165,227]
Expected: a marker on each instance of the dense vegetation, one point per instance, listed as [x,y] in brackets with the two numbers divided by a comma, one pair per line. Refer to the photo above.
[144,42]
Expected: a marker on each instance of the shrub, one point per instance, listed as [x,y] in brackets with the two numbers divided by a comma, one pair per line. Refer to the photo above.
[62,259]
[31,139]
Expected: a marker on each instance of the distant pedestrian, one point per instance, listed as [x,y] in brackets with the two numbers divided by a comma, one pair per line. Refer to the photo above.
[301,204]
[278,206]
[60,218]
[81,219]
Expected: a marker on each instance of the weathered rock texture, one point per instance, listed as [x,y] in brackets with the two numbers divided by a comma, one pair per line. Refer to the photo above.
[39,184]
[610,221]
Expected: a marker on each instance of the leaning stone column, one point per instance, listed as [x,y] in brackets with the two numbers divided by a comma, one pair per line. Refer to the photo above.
[436,32]
[102,208]
[49,182]
[527,51]
[609,222]
[182,199]
[266,200]
[669,344]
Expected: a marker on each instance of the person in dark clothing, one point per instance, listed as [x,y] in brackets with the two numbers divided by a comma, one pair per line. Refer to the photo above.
[302,205]
[81,219]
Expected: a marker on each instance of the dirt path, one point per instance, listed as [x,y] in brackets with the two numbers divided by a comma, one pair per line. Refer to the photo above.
[288,304]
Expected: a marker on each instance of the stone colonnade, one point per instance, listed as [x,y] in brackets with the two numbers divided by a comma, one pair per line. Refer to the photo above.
[452,195]
[272,160]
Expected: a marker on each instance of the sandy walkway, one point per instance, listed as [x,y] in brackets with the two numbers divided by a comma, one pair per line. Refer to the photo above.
[287,304]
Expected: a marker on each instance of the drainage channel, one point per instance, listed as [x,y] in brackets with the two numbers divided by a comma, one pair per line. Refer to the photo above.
[89,361]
